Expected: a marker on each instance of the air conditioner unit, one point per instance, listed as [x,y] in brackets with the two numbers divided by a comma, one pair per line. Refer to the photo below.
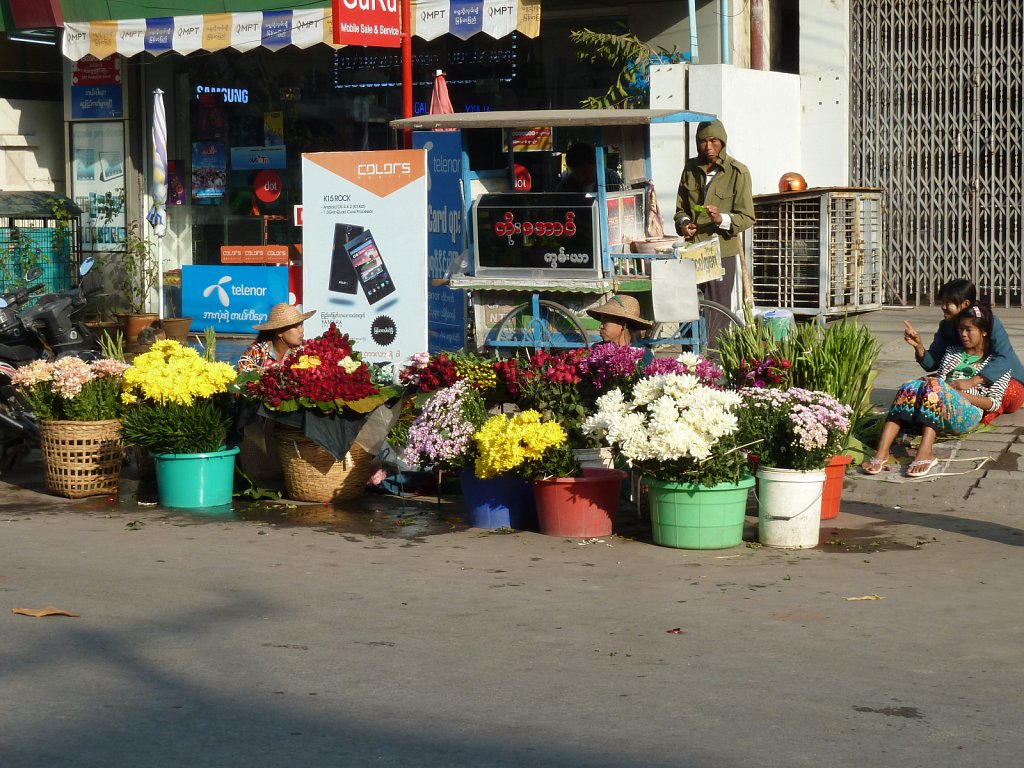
[818,252]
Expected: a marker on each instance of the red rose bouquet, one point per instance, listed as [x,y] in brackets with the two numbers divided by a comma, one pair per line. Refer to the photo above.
[325,374]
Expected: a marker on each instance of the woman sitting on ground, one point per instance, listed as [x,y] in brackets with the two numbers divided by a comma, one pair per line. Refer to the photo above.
[934,404]
[282,333]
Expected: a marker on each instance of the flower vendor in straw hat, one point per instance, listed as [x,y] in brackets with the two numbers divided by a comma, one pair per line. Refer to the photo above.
[279,335]
[620,318]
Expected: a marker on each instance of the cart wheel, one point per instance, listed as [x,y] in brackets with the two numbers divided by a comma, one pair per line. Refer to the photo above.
[714,318]
[554,327]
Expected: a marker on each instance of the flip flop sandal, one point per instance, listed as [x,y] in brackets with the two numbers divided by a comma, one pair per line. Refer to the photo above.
[923,467]
[873,465]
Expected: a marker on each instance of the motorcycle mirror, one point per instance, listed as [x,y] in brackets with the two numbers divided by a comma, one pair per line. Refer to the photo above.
[86,266]
[32,274]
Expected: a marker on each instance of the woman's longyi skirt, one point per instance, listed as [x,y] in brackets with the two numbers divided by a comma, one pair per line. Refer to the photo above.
[931,402]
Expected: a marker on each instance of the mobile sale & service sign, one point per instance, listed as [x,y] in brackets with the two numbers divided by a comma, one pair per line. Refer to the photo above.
[366,22]
[364,249]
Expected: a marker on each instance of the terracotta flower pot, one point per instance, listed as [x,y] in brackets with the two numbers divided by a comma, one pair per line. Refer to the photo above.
[135,322]
[176,328]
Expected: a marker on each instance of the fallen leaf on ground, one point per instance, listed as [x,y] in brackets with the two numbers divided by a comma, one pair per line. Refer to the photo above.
[866,597]
[675,631]
[39,613]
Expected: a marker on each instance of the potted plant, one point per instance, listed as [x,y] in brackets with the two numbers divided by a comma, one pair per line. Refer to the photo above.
[681,434]
[796,432]
[177,409]
[321,396]
[564,387]
[135,278]
[570,501]
[441,438]
[78,406]
[175,326]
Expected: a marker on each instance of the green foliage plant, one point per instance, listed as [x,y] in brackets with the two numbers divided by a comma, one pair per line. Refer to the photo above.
[838,359]
[632,56]
[172,427]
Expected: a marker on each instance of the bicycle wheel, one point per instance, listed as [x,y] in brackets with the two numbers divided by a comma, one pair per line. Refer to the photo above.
[714,319]
[552,327]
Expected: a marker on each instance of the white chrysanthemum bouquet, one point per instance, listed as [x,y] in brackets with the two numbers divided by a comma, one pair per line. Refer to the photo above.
[674,428]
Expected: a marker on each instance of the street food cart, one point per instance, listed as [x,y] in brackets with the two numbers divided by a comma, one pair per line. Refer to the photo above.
[538,260]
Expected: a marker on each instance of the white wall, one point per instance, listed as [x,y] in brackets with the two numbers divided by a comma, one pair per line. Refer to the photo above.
[825,92]
[31,145]
[760,111]
[668,140]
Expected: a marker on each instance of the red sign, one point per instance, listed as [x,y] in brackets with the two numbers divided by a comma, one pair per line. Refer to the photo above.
[524,181]
[93,71]
[267,186]
[366,22]
[297,215]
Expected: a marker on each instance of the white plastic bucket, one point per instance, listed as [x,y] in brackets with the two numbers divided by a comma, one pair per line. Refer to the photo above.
[789,505]
[781,321]
[597,458]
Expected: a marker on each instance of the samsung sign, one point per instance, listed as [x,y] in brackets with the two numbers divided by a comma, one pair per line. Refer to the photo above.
[231,95]
[231,299]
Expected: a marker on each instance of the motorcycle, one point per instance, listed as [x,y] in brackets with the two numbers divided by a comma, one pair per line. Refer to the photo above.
[46,330]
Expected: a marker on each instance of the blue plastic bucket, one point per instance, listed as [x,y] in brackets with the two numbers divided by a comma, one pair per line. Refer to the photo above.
[193,480]
[499,502]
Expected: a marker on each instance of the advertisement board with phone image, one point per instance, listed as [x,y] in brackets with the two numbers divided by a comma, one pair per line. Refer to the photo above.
[369,265]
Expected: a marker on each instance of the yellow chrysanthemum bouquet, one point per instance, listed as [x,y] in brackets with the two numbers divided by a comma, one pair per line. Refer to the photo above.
[525,445]
[176,400]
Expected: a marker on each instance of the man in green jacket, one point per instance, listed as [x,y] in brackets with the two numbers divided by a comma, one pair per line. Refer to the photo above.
[715,199]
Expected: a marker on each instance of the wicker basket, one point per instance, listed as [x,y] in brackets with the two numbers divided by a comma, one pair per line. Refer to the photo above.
[312,474]
[82,458]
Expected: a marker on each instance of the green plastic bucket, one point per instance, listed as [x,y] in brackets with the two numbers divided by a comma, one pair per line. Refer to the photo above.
[692,516]
[193,480]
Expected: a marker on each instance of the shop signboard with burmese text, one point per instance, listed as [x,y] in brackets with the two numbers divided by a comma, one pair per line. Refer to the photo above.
[364,244]
[446,237]
[231,299]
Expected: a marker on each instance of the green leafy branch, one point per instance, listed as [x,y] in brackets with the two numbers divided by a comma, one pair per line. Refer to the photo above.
[633,57]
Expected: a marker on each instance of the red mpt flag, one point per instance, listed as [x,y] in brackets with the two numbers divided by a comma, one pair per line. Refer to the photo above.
[367,22]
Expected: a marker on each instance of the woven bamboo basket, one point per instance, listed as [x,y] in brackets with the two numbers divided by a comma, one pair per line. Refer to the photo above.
[312,474]
[82,458]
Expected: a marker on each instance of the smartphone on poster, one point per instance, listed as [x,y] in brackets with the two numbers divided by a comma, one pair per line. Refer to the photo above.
[343,275]
[369,265]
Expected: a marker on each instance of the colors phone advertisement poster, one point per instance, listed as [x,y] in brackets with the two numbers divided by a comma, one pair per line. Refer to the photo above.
[364,249]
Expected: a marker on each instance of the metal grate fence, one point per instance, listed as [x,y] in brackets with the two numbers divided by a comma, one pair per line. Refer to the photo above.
[937,119]
[28,242]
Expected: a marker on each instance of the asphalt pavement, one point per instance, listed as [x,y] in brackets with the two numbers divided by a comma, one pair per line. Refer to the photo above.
[386,633]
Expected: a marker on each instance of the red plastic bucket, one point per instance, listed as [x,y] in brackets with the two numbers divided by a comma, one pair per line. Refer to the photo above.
[579,507]
[835,471]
